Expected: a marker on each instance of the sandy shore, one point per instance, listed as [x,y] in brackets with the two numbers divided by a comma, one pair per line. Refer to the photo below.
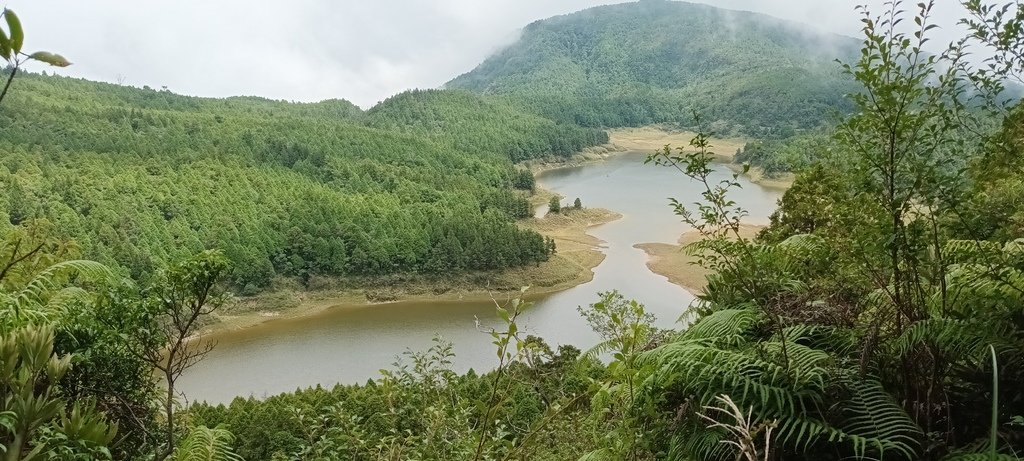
[578,253]
[675,264]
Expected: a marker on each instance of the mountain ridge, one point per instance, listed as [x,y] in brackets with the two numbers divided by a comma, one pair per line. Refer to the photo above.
[656,61]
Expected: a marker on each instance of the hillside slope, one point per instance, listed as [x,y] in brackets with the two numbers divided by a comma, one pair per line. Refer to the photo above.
[469,122]
[139,177]
[656,61]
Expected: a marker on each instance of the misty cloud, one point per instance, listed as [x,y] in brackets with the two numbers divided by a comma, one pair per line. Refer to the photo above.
[309,50]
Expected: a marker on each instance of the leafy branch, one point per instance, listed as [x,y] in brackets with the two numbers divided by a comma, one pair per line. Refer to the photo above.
[11,42]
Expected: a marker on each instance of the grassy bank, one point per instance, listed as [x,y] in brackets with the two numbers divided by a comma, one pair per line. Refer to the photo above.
[655,137]
[652,138]
[679,267]
[578,254]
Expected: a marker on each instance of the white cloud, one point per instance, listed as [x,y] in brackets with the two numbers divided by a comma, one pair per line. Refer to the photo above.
[311,50]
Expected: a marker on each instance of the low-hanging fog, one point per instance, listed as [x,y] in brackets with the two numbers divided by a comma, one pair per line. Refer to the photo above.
[309,50]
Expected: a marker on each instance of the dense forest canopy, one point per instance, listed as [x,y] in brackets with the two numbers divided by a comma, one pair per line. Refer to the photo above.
[469,122]
[140,176]
[655,61]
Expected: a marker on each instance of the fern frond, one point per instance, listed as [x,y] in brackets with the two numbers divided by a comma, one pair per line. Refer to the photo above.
[1014,251]
[595,352]
[48,280]
[838,340]
[874,420]
[703,444]
[963,251]
[807,366]
[872,424]
[602,454]
[998,284]
[727,326]
[699,369]
[205,444]
[966,340]
[797,249]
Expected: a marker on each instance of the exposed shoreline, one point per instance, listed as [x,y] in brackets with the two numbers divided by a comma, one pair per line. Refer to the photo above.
[577,255]
[674,263]
[654,138]
[588,156]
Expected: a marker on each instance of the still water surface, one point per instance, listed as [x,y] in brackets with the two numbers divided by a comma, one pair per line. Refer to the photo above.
[351,345]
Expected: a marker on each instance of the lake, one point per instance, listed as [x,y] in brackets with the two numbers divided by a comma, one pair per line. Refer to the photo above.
[351,344]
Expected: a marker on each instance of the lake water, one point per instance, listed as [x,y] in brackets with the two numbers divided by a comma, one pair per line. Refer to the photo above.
[351,345]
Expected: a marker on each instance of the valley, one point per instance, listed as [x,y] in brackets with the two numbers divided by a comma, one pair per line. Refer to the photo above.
[650,230]
[598,244]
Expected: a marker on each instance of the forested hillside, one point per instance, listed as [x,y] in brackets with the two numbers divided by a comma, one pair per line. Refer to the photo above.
[469,122]
[139,176]
[655,61]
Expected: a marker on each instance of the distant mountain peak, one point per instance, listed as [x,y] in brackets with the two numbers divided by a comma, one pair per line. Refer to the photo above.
[654,61]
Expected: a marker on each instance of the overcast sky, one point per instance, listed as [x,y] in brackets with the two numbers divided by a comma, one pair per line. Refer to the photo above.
[310,50]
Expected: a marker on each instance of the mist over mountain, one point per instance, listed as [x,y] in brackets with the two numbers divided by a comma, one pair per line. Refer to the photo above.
[656,61]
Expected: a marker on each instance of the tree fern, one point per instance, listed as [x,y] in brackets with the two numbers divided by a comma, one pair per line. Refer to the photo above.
[781,378]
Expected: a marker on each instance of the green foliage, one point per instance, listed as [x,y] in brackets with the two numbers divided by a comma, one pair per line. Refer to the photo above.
[626,329]
[205,444]
[814,400]
[35,283]
[85,308]
[654,61]
[421,409]
[858,326]
[141,177]
[554,205]
[524,180]
[177,304]
[991,208]
[11,43]
[859,305]
[36,421]
[794,153]
[467,122]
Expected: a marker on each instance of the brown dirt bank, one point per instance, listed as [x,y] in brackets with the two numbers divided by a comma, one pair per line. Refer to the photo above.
[578,254]
[673,262]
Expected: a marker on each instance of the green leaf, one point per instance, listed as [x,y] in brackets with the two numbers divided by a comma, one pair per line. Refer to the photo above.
[17,34]
[5,45]
[50,58]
